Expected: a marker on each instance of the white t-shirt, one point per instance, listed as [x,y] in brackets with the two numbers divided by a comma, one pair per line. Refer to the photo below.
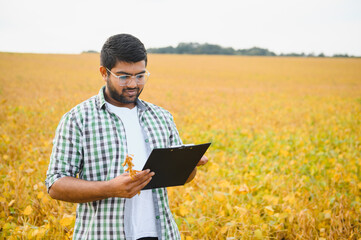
[139,216]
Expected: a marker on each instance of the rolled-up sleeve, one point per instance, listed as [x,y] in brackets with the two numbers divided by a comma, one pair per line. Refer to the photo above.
[66,157]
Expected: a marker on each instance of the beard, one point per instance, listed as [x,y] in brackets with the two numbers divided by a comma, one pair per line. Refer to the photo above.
[121,97]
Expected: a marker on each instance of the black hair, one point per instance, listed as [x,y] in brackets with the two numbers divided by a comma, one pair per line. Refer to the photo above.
[123,48]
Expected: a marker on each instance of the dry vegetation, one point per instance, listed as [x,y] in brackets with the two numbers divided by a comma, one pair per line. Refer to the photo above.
[285,158]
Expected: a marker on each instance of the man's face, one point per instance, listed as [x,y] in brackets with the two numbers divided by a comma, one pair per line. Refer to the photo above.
[127,95]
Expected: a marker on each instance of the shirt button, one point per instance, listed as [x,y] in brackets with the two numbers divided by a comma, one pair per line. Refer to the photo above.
[157,217]
[146,140]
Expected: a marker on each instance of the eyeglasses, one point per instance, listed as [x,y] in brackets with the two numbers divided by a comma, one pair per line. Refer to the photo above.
[125,79]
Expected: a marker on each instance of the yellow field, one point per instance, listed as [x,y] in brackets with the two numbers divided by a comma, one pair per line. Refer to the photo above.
[286,133]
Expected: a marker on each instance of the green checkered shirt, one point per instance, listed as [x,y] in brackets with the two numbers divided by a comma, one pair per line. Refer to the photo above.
[90,141]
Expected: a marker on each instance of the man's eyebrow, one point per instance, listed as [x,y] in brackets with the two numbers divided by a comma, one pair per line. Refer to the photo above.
[125,73]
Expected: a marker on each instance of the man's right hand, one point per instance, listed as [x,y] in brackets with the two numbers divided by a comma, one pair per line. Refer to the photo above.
[126,187]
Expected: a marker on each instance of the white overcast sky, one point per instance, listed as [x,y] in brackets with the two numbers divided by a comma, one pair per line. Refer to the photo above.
[73,26]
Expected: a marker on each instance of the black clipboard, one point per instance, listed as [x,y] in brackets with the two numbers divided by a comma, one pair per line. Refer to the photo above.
[173,166]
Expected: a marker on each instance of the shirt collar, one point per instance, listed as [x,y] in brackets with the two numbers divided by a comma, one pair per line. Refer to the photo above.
[101,101]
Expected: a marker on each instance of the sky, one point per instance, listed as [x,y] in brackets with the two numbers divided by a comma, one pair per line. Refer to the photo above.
[282,26]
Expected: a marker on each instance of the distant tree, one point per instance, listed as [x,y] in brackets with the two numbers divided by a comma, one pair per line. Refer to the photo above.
[229,51]
[169,49]
[212,49]
[90,51]
[184,48]
[194,48]
[293,54]
[311,55]
[206,48]
[341,55]
[255,51]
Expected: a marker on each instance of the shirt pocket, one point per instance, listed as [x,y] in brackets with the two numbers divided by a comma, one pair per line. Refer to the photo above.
[102,153]
[158,137]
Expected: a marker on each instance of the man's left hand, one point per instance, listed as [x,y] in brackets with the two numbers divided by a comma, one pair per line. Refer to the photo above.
[203,161]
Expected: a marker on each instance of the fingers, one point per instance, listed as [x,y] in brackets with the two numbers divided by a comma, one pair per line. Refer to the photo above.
[143,175]
[143,184]
[126,187]
[140,183]
[142,178]
[203,161]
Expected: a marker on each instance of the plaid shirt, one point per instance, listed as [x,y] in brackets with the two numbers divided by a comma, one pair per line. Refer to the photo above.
[90,142]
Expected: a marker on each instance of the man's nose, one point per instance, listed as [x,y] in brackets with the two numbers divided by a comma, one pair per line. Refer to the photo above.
[132,82]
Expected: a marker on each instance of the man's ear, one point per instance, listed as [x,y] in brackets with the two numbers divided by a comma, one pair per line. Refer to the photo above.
[103,72]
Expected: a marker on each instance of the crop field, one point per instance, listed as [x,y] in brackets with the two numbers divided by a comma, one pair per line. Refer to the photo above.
[285,159]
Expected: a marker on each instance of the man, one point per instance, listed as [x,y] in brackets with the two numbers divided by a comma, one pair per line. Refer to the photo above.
[93,140]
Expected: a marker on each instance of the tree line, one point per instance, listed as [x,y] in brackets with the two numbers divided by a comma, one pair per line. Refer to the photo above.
[213,49]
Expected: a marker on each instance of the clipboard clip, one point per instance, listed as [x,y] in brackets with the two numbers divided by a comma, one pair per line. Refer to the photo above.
[183,146]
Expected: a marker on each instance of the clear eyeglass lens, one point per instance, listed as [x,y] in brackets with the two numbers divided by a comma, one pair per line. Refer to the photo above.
[140,78]
[125,79]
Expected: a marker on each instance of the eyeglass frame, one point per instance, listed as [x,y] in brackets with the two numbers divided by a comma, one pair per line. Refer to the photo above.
[127,81]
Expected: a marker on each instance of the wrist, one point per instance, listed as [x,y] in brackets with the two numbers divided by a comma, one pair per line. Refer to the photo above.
[107,190]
